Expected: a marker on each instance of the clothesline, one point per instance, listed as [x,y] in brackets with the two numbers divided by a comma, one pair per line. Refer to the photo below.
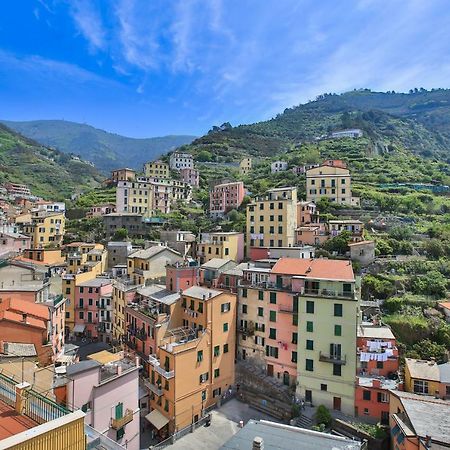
[366,356]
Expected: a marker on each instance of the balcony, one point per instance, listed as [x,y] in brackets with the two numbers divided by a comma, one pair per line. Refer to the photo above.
[157,366]
[329,293]
[286,309]
[247,331]
[157,390]
[116,424]
[333,359]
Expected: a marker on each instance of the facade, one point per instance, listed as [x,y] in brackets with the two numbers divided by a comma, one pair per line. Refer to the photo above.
[132,222]
[123,294]
[329,181]
[190,176]
[194,363]
[45,229]
[377,373]
[225,245]
[17,190]
[180,161]
[314,234]
[90,297]
[122,175]
[363,252]
[50,207]
[108,394]
[181,276]
[211,270]
[118,252]
[245,166]
[101,210]
[157,168]
[354,227]
[274,253]
[422,377]
[307,213]
[278,166]
[225,197]
[184,242]
[272,220]
[350,133]
[418,422]
[136,197]
[13,243]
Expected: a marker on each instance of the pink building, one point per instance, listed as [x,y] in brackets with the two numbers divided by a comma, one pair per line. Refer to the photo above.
[181,276]
[225,197]
[108,394]
[11,242]
[57,314]
[101,210]
[88,296]
[190,176]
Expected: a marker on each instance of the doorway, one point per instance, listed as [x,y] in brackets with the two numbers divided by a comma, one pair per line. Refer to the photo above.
[337,403]
[270,370]
[286,378]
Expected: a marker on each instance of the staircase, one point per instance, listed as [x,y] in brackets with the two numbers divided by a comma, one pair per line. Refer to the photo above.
[303,422]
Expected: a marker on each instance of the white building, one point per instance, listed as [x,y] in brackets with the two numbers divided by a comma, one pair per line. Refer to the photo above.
[351,133]
[180,161]
[278,166]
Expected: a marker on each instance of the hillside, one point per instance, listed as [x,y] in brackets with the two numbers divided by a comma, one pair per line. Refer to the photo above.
[419,121]
[106,150]
[49,173]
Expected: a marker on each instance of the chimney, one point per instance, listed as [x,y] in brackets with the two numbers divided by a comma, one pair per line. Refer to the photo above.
[24,317]
[258,443]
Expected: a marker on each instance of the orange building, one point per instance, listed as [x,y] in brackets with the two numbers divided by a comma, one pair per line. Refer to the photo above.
[181,275]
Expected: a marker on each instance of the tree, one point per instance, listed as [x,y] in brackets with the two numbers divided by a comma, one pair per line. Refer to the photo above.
[427,349]
[324,205]
[401,233]
[204,155]
[434,248]
[121,234]
[379,288]
[323,416]
[339,243]
[431,283]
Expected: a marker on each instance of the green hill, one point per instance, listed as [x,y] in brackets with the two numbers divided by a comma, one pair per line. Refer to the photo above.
[106,150]
[49,173]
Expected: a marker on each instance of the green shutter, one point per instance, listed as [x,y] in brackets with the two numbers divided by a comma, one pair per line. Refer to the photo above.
[119,410]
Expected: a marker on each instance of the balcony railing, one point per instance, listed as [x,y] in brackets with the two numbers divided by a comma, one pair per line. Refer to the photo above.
[333,359]
[329,293]
[157,390]
[157,366]
[248,331]
[286,308]
[116,424]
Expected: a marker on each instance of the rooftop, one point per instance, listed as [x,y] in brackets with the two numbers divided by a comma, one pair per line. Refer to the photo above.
[426,415]
[385,383]
[81,366]
[422,369]
[319,268]
[285,437]
[159,293]
[95,282]
[216,263]
[151,252]
[444,372]
[17,349]
[12,422]
[201,293]
[355,244]
[445,305]
[348,221]
[369,330]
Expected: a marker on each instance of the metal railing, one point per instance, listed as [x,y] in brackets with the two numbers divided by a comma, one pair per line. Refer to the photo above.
[334,359]
[41,409]
[7,390]
[126,418]
[157,366]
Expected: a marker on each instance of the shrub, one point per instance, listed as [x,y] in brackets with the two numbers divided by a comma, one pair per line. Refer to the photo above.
[323,416]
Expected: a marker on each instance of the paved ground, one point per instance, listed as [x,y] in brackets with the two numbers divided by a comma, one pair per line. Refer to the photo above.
[224,424]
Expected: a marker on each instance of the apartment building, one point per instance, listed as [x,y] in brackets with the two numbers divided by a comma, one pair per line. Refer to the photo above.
[377,372]
[50,207]
[278,166]
[85,262]
[179,160]
[18,190]
[122,175]
[354,227]
[328,311]
[158,169]
[123,294]
[91,299]
[45,229]
[190,176]
[182,275]
[132,222]
[118,252]
[108,394]
[13,243]
[272,220]
[330,180]
[224,197]
[135,197]
[245,166]
[150,263]
[307,213]
[194,363]
[225,245]
[184,242]
[101,210]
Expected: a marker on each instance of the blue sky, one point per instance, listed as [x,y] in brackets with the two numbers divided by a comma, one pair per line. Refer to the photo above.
[155,67]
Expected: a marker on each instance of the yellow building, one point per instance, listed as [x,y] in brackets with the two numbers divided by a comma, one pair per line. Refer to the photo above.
[223,245]
[245,166]
[158,169]
[422,377]
[194,364]
[84,262]
[122,294]
[331,180]
[45,229]
[272,220]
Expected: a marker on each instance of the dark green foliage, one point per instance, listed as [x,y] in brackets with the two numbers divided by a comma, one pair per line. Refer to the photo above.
[323,416]
[338,243]
[121,234]
[431,283]
[377,286]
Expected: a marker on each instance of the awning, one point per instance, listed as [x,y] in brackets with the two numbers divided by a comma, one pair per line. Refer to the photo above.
[157,419]
[79,328]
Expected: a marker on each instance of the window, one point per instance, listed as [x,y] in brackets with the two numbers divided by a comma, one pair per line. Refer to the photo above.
[225,327]
[86,407]
[216,350]
[383,397]
[200,307]
[309,344]
[81,315]
[338,310]
[192,305]
[366,395]
[309,365]
[204,377]
[294,338]
[260,312]
[420,387]
[280,205]
[271,230]
[272,333]
[166,405]
[337,370]
[309,327]
[244,293]
[204,395]
[295,319]
[379,364]
[81,303]
[120,433]
[294,357]
[119,411]
[338,330]
[273,297]
[273,316]
[280,230]
[260,295]
[225,307]
[166,385]
[323,387]
[244,309]
[310,307]
[225,348]
[217,392]
[272,351]
[216,373]
[200,356]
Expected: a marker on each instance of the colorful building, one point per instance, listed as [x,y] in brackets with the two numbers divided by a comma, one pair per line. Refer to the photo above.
[225,197]
[123,293]
[354,227]
[45,229]
[220,244]
[190,176]
[101,210]
[122,175]
[157,169]
[314,234]
[272,220]
[245,166]
[182,275]
[179,160]
[424,377]
[13,243]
